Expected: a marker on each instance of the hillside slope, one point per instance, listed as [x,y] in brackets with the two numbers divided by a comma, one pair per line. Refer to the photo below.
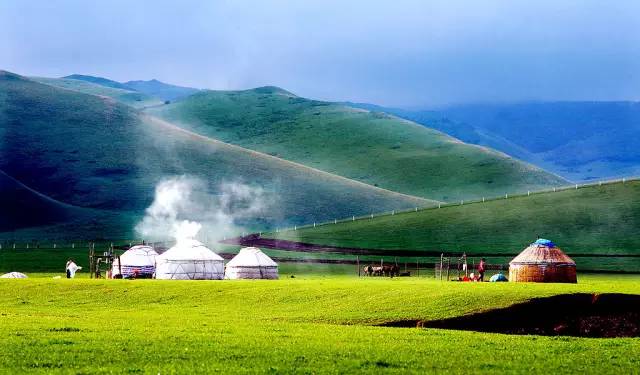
[125,96]
[98,81]
[598,219]
[374,148]
[578,140]
[93,152]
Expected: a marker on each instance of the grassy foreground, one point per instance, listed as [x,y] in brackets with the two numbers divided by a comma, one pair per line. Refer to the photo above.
[292,325]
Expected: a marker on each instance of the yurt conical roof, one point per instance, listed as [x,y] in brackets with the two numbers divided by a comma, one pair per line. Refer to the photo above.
[251,257]
[542,252]
[542,262]
[189,249]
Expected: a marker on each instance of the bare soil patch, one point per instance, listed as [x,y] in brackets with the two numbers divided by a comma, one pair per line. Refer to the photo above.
[578,315]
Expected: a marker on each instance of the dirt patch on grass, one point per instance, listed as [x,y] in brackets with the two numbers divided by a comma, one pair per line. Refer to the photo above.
[579,315]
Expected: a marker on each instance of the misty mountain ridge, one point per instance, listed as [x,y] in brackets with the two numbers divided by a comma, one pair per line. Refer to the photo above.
[154,88]
[582,140]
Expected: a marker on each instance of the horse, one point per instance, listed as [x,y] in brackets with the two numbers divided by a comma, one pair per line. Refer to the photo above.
[368,270]
[378,271]
[391,270]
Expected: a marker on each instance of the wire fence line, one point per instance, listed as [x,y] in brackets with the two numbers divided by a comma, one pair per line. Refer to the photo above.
[507,196]
[124,241]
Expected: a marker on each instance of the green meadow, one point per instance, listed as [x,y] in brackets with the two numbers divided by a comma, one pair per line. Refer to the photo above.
[594,220]
[302,325]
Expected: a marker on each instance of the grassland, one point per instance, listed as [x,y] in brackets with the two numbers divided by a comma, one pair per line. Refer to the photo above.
[590,220]
[374,148]
[49,137]
[292,325]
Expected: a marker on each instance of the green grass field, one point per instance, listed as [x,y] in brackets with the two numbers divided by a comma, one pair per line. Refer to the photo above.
[374,148]
[590,220]
[302,325]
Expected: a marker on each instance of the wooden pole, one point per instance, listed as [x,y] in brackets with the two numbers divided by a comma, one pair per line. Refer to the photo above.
[448,266]
[358,264]
[441,264]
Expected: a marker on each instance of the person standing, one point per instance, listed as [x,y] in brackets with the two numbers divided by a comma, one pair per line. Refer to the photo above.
[71,269]
[481,268]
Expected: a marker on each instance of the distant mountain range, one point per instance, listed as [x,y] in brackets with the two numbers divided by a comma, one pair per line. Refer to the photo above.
[152,88]
[577,140]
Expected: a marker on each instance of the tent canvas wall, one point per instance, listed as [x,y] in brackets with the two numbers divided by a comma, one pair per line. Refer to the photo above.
[189,260]
[542,262]
[251,263]
[13,275]
[138,261]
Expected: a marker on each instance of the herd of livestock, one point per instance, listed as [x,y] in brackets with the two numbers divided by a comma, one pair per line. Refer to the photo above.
[387,270]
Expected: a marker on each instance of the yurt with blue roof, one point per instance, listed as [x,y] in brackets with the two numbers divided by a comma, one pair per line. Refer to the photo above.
[542,262]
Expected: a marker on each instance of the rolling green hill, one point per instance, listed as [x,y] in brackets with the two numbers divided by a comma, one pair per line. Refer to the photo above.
[370,147]
[125,96]
[93,152]
[590,220]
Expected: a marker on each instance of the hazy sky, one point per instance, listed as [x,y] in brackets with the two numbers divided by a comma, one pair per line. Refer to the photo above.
[401,53]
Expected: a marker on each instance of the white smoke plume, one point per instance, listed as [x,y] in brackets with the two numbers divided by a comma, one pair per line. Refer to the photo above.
[184,207]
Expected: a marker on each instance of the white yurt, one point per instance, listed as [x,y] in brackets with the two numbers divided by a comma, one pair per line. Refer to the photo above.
[189,260]
[138,261]
[251,263]
[13,275]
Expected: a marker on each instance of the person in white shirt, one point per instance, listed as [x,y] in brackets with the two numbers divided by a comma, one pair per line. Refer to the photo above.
[71,269]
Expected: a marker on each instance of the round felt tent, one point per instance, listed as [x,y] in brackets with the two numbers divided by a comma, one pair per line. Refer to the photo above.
[138,261]
[251,263]
[189,260]
[14,275]
[542,262]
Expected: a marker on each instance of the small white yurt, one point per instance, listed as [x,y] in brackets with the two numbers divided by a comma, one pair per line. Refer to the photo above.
[251,263]
[189,260]
[138,261]
[13,275]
